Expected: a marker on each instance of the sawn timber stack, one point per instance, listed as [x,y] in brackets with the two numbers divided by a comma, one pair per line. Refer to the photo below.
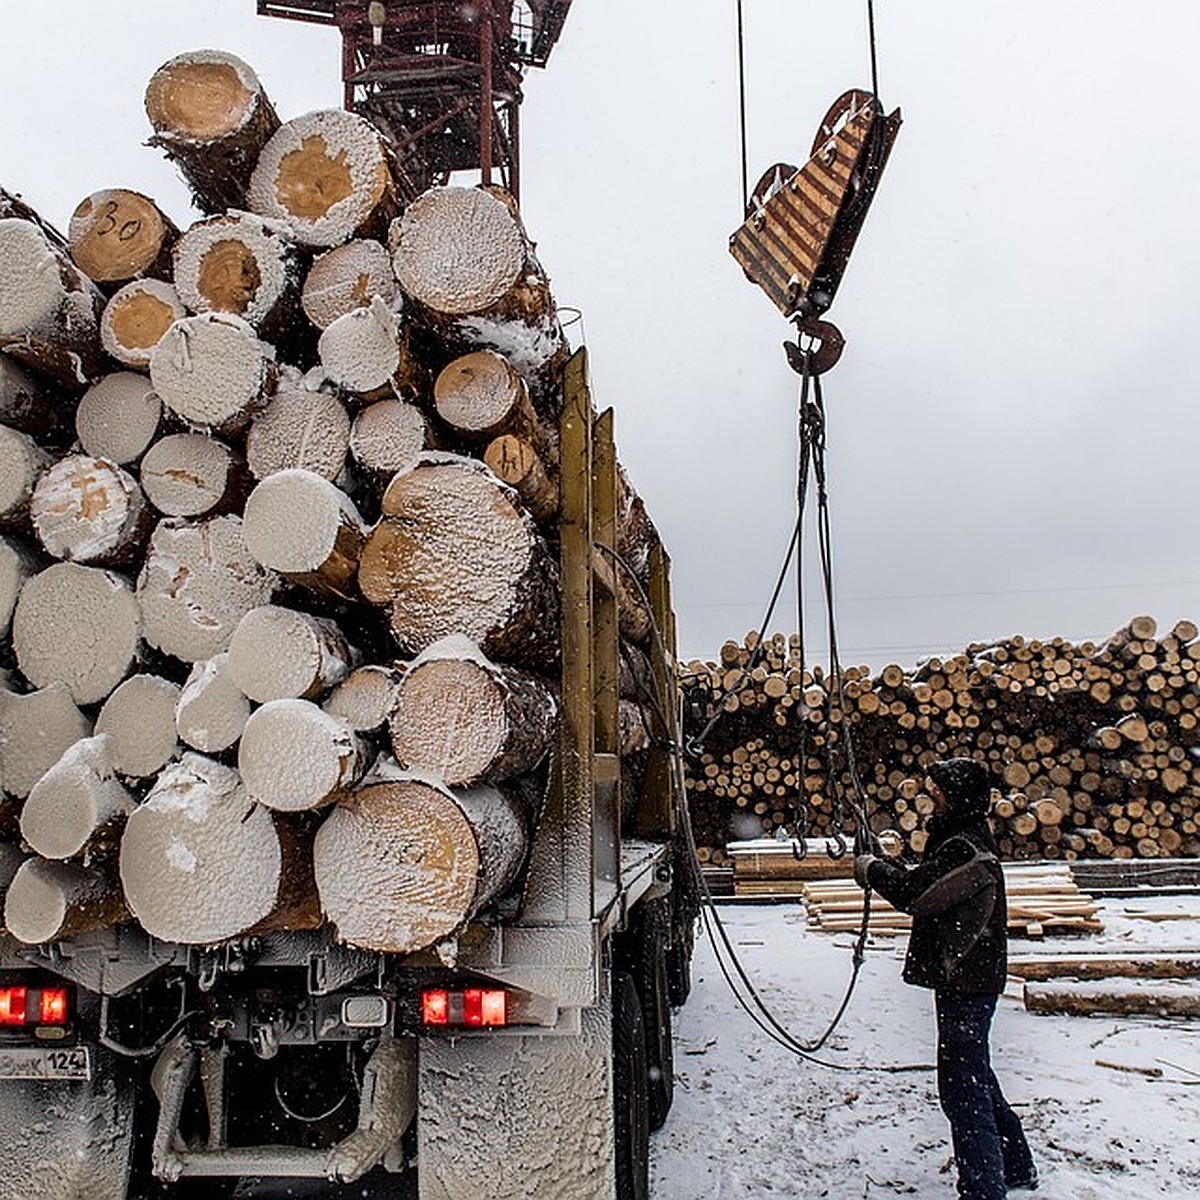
[280,579]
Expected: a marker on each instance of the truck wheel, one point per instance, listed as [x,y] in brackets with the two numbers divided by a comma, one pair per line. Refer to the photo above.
[654,990]
[632,1110]
[679,963]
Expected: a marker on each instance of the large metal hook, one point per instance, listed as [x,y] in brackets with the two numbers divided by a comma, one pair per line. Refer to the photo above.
[799,848]
[835,847]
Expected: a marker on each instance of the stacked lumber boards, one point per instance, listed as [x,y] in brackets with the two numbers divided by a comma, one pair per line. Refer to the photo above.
[1093,746]
[280,589]
[1042,898]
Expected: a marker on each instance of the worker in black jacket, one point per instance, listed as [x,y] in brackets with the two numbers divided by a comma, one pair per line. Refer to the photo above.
[958,948]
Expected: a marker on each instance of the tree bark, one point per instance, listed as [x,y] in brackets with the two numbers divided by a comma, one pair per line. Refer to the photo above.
[139,717]
[212,118]
[197,583]
[327,176]
[279,653]
[53,901]
[78,626]
[455,553]
[293,756]
[76,809]
[1113,997]
[401,865]
[308,530]
[116,235]
[118,417]
[27,406]
[136,318]
[469,721]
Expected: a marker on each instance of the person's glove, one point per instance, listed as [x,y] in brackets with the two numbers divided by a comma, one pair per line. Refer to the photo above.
[862,868]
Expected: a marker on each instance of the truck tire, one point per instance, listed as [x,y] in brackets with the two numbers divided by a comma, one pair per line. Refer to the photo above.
[630,1099]
[679,961]
[650,975]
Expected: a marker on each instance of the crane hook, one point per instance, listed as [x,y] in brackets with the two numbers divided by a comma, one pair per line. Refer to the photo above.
[799,848]
[835,847]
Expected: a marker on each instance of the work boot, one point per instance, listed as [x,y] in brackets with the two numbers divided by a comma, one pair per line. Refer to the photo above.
[1025,1183]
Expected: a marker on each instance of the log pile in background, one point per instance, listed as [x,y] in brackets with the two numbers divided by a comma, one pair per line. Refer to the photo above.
[1093,747]
[281,645]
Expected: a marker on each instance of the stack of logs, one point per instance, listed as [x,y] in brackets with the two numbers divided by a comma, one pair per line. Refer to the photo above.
[1093,748]
[278,575]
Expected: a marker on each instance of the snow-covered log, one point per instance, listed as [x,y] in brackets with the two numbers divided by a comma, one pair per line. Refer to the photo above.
[456,553]
[76,809]
[22,460]
[389,436]
[116,234]
[279,653]
[136,318]
[197,583]
[18,562]
[52,901]
[464,256]
[212,710]
[402,864]
[118,417]
[326,175]
[79,626]
[468,720]
[35,730]
[139,718]
[300,427]
[11,858]
[89,510]
[307,529]
[212,372]
[194,475]
[293,756]
[480,396]
[49,310]
[515,461]
[346,278]
[212,118]
[202,861]
[366,698]
[361,351]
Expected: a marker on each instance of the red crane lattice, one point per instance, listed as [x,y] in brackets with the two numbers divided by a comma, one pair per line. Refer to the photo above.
[442,80]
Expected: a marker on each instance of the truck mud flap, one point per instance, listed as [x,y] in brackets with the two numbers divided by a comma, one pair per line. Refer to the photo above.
[68,1139]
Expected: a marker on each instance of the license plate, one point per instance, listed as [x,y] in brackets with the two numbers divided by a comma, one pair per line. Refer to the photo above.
[37,1062]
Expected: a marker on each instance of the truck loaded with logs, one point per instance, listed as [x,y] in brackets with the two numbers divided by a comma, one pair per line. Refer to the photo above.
[340,827]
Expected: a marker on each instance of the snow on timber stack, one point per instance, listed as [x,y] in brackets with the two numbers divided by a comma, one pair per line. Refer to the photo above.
[278,540]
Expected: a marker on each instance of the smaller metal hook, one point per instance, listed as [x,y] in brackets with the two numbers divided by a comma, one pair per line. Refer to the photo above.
[835,847]
[799,848]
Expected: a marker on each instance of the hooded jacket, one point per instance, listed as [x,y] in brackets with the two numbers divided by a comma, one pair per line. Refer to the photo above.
[955,895]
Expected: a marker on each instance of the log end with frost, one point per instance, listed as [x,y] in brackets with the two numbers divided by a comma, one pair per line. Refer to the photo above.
[116,234]
[347,278]
[212,117]
[196,584]
[293,756]
[307,529]
[279,653]
[200,861]
[78,805]
[455,552]
[212,710]
[136,318]
[366,698]
[193,475]
[52,901]
[212,371]
[79,626]
[22,460]
[388,436]
[468,720]
[118,417]
[139,718]
[89,510]
[326,176]
[361,350]
[36,728]
[302,427]
[402,864]
[17,564]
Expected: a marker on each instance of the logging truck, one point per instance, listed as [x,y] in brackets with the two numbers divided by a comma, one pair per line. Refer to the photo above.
[527,1054]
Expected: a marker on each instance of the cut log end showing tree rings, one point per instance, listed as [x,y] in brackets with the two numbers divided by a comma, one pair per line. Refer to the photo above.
[401,865]
[118,417]
[280,653]
[135,319]
[117,234]
[347,278]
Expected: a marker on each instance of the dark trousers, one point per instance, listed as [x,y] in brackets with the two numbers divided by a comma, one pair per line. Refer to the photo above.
[989,1144]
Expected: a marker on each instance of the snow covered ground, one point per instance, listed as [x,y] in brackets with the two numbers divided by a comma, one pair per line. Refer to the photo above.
[751,1120]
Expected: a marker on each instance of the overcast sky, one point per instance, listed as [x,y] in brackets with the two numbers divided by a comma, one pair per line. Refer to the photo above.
[1009,425]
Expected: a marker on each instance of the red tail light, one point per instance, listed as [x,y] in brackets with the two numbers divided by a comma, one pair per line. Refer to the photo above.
[54,1007]
[13,1002]
[474,1008]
